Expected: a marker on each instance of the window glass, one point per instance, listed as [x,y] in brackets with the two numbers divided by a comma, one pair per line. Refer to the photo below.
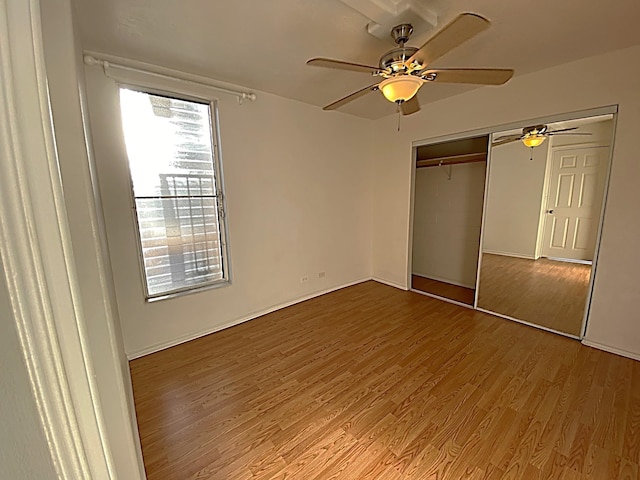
[178,197]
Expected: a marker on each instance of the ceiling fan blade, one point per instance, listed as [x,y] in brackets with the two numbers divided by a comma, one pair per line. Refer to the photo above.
[506,139]
[410,106]
[477,76]
[454,34]
[563,130]
[341,65]
[567,133]
[351,97]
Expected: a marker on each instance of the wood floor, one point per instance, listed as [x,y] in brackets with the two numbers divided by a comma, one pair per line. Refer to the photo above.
[545,292]
[371,382]
[443,289]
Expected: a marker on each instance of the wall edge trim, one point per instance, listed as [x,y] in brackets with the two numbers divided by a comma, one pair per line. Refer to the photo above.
[510,254]
[444,280]
[389,283]
[609,349]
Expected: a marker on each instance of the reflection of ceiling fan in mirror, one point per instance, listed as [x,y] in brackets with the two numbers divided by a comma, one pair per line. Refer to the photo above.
[404,69]
[535,135]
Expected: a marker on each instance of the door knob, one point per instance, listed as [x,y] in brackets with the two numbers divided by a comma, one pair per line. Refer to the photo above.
[550,211]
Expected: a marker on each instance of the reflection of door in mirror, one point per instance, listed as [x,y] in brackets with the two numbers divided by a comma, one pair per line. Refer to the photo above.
[543,210]
[448,197]
[576,182]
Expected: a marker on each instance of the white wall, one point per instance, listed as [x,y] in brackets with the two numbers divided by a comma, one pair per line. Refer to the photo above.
[514,196]
[446,222]
[571,87]
[298,188]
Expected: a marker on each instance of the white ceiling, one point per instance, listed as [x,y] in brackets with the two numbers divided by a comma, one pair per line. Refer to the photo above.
[264,45]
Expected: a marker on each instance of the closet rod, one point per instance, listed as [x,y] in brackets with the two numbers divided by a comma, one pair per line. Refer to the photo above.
[452,160]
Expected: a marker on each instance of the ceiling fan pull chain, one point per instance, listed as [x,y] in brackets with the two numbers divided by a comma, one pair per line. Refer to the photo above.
[399,115]
[531,158]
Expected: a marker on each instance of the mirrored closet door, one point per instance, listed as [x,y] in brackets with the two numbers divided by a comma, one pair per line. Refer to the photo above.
[541,222]
[448,198]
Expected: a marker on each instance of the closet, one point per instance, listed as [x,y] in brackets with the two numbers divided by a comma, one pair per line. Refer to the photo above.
[447,218]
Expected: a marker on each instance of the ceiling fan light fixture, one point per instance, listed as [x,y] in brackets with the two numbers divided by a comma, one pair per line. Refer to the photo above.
[401,88]
[533,140]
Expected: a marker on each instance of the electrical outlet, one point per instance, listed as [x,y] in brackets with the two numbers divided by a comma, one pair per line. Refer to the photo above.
[322,274]
[304,279]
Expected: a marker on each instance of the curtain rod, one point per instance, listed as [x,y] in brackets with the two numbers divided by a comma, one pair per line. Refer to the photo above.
[92,60]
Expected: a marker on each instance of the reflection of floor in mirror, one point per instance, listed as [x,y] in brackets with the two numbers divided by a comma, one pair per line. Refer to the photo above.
[443,289]
[545,292]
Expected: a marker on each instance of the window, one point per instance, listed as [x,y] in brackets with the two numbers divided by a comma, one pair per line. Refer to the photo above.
[177,189]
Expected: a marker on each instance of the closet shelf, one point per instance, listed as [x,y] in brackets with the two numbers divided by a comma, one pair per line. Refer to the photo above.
[452,160]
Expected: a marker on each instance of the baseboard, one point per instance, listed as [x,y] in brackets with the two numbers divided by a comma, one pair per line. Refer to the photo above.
[529,324]
[570,260]
[391,284]
[445,280]
[509,254]
[192,336]
[614,350]
[444,299]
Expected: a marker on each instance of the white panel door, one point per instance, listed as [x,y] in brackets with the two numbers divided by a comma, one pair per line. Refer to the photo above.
[574,200]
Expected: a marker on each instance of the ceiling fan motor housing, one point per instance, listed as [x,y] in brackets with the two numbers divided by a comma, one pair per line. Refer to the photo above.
[395,59]
[535,130]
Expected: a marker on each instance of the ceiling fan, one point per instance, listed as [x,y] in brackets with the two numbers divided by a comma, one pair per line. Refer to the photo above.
[403,70]
[534,135]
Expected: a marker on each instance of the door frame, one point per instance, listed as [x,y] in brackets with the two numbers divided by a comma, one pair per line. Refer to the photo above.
[414,155]
[38,262]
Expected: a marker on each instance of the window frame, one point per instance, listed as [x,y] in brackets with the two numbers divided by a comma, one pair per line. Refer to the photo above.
[214,128]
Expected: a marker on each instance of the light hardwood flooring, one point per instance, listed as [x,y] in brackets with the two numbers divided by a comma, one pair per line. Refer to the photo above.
[545,292]
[371,382]
[443,289]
